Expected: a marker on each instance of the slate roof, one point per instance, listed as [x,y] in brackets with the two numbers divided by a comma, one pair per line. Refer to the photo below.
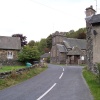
[88,18]
[45,55]
[12,43]
[95,19]
[61,48]
[75,51]
[71,42]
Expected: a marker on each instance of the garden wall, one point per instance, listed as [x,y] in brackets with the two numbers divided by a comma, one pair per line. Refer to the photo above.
[19,71]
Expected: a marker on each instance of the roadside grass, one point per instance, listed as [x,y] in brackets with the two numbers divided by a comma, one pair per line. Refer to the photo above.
[15,78]
[10,68]
[82,64]
[93,83]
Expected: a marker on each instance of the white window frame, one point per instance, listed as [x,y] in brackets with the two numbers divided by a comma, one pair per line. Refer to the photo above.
[82,57]
[9,55]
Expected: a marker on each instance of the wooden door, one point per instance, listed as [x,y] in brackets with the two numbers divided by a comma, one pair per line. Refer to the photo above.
[76,58]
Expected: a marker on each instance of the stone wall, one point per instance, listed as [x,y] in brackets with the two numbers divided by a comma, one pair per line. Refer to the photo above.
[19,71]
[57,38]
[5,61]
[10,62]
[57,57]
[96,45]
[53,54]
[62,58]
[89,47]
[93,46]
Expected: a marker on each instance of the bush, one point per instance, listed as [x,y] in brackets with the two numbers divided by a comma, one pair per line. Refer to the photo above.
[29,54]
[48,60]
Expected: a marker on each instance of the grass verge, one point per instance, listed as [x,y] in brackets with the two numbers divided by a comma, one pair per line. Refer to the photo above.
[15,78]
[10,68]
[93,83]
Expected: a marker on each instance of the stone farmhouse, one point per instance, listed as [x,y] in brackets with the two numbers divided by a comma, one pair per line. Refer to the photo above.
[45,56]
[67,50]
[92,37]
[9,48]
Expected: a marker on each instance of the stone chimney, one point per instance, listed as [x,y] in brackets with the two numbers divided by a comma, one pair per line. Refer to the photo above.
[90,11]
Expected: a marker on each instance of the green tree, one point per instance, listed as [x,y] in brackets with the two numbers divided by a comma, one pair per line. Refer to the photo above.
[49,41]
[36,43]
[80,33]
[42,45]
[22,38]
[71,34]
[31,43]
[29,54]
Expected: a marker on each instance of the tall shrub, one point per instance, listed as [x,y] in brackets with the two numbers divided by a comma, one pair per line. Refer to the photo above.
[29,54]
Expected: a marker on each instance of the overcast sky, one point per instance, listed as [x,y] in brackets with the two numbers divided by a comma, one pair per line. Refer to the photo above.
[37,19]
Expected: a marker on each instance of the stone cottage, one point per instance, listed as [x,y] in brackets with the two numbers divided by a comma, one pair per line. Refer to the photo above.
[45,57]
[67,50]
[9,48]
[92,37]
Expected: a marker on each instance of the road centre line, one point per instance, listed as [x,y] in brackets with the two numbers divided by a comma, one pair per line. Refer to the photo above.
[63,69]
[47,91]
[61,75]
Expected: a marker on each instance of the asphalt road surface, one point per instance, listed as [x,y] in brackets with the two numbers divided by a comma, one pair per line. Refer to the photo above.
[56,83]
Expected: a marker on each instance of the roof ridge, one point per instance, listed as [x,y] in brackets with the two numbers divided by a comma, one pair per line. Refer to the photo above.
[76,39]
[9,37]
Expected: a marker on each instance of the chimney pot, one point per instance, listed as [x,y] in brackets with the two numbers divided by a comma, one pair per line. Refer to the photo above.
[90,11]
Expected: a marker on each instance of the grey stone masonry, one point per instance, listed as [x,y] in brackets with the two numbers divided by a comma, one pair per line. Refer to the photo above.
[61,45]
[5,61]
[89,47]
[17,72]
[93,38]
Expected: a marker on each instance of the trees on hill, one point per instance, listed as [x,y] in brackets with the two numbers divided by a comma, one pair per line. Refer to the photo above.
[31,43]
[79,34]
[49,42]
[42,45]
[45,45]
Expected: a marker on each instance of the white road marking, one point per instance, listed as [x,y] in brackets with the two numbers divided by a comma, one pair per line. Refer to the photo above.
[47,91]
[63,69]
[61,75]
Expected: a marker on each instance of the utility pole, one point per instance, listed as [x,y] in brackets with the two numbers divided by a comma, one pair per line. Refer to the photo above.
[96,6]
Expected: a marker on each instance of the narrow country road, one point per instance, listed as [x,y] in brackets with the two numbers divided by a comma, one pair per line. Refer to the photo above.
[56,83]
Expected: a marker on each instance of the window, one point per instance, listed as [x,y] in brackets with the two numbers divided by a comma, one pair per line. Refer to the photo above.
[82,57]
[10,55]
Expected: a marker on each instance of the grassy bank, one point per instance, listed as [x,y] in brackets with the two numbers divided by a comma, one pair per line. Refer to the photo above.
[10,68]
[93,83]
[14,78]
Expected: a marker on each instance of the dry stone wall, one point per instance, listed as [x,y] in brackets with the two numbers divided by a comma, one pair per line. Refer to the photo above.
[19,71]
[89,50]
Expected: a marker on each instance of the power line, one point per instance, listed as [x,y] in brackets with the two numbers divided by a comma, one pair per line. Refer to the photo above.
[48,6]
